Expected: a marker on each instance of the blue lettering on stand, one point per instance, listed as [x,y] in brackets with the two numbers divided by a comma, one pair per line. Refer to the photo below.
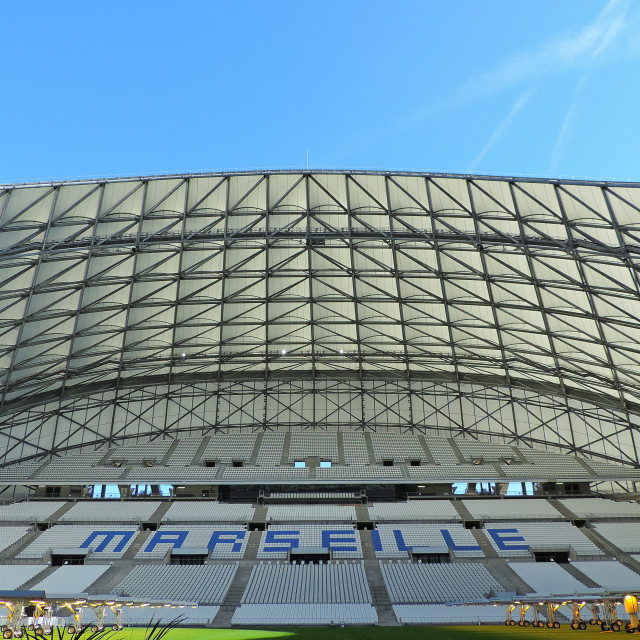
[330,537]
[452,545]
[377,543]
[397,534]
[501,540]
[174,538]
[108,537]
[276,537]
[227,537]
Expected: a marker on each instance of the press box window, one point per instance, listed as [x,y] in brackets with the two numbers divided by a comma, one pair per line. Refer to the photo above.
[325,464]
[299,464]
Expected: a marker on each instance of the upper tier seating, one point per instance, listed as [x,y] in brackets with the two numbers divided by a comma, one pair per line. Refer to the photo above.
[440,510]
[135,453]
[11,535]
[193,583]
[31,511]
[184,453]
[553,465]
[548,578]
[455,536]
[78,466]
[454,472]
[487,451]
[64,536]
[206,511]
[511,539]
[322,445]
[608,470]
[516,508]
[355,472]
[122,511]
[612,575]
[173,474]
[13,576]
[228,447]
[441,451]
[343,539]
[399,447]
[414,583]
[302,614]
[307,583]
[224,540]
[20,471]
[299,513]
[625,535]
[70,580]
[355,448]
[266,473]
[601,508]
[270,452]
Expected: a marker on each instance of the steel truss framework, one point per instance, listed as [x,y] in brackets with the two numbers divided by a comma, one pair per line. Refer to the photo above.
[490,308]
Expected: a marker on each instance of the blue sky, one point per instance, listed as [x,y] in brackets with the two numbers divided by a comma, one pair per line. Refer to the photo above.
[536,87]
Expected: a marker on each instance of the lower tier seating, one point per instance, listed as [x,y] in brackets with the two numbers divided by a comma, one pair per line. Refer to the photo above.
[191,583]
[454,614]
[548,578]
[310,583]
[326,614]
[71,580]
[413,583]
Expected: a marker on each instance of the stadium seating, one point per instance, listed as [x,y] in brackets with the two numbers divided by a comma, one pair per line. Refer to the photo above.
[101,511]
[441,451]
[623,534]
[184,453]
[299,513]
[511,539]
[396,447]
[193,583]
[395,538]
[355,448]
[32,511]
[208,511]
[11,535]
[223,540]
[343,540]
[303,445]
[487,451]
[548,578]
[307,583]
[104,541]
[149,451]
[303,614]
[70,580]
[516,508]
[230,447]
[450,614]
[13,576]
[439,510]
[601,508]
[355,472]
[270,452]
[266,473]
[191,616]
[612,575]
[416,583]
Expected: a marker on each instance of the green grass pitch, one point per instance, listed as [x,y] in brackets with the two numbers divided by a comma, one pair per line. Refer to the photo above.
[484,632]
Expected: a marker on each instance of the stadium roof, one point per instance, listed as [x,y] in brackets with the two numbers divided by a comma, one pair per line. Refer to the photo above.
[494,292]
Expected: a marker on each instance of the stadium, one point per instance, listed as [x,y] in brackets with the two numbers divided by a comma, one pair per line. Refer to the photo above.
[320,398]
